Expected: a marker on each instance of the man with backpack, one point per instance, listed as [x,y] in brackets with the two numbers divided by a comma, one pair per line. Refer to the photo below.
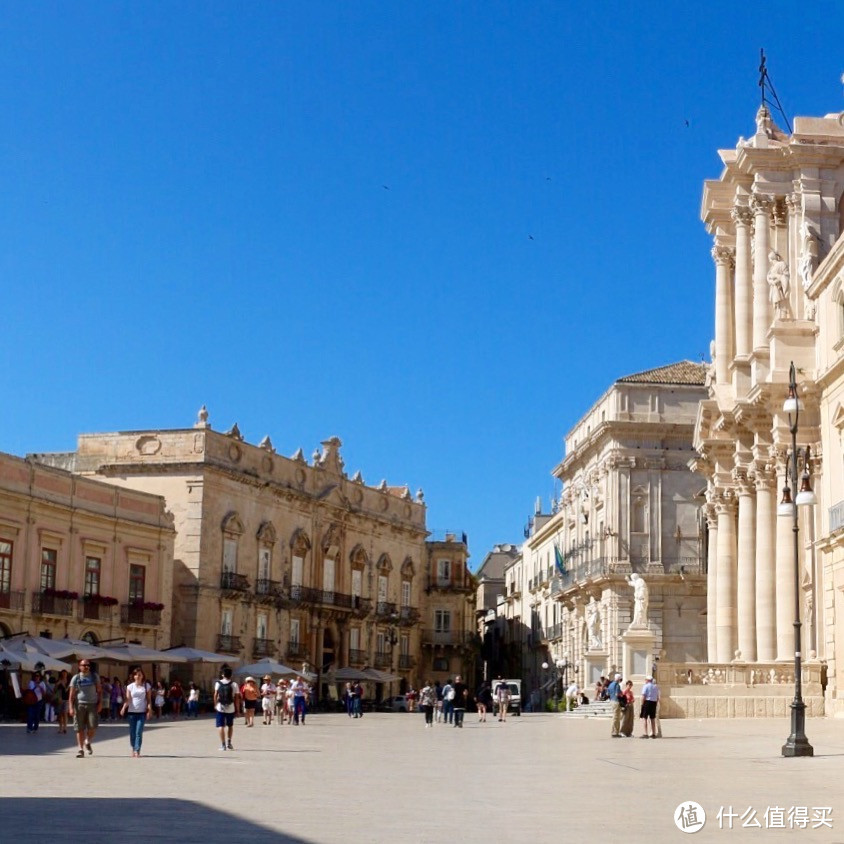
[448,702]
[83,705]
[226,705]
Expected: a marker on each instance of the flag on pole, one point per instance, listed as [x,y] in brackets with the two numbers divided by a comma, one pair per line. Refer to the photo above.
[558,560]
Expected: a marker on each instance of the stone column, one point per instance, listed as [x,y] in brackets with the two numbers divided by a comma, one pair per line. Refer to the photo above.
[723,257]
[711,583]
[761,206]
[743,218]
[746,574]
[785,587]
[725,610]
[794,204]
[766,602]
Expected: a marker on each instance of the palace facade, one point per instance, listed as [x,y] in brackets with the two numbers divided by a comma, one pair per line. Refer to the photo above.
[295,560]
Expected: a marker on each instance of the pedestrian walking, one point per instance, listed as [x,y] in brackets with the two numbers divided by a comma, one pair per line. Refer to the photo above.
[138,706]
[176,696]
[448,702]
[650,699]
[159,698]
[83,706]
[427,701]
[614,693]
[60,695]
[484,699]
[226,704]
[116,697]
[461,699]
[627,718]
[299,703]
[267,699]
[35,693]
[193,701]
[250,693]
[502,696]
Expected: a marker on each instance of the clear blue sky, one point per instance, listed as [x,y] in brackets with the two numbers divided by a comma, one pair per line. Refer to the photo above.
[436,230]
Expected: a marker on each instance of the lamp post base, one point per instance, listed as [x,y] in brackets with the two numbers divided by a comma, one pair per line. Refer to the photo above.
[797,744]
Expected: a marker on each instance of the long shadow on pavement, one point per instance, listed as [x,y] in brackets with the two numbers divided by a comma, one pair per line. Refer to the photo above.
[128,820]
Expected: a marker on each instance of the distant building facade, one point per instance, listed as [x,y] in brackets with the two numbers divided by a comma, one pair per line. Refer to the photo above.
[82,558]
[491,591]
[629,507]
[284,558]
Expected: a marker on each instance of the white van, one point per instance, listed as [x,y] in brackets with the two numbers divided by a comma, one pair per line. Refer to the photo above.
[515,705]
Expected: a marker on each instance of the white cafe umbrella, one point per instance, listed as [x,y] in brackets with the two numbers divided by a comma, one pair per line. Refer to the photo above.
[197,655]
[58,648]
[32,661]
[127,652]
[267,666]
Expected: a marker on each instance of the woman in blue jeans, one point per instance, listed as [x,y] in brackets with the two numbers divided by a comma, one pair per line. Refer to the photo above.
[138,704]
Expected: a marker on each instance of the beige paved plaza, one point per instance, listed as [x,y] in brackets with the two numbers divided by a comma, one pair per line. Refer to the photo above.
[540,778]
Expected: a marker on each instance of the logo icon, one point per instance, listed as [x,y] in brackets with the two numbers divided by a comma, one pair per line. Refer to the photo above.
[689,817]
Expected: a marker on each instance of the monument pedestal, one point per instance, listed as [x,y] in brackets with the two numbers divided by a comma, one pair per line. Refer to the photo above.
[595,663]
[638,652]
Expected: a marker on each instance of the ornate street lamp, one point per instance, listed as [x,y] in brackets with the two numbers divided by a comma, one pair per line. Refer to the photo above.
[797,744]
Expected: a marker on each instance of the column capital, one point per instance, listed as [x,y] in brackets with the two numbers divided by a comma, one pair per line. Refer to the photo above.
[764,476]
[742,215]
[744,486]
[725,503]
[761,203]
[723,255]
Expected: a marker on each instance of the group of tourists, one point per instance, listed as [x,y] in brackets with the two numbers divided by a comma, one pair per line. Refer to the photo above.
[447,703]
[623,699]
[286,700]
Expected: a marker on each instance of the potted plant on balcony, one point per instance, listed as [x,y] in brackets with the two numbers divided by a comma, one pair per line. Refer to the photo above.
[102,600]
[60,593]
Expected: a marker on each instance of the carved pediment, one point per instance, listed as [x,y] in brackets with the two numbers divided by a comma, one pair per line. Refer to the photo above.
[407,568]
[232,523]
[300,543]
[267,534]
[385,564]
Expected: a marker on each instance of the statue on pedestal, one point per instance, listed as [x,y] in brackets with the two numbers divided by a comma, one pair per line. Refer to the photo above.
[778,284]
[808,254]
[593,624]
[640,600]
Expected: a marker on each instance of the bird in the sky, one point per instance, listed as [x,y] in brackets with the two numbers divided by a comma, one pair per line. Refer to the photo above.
[386,187]
[530,237]
[687,124]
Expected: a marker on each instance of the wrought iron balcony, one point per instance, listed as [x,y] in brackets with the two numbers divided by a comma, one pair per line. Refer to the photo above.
[263,647]
[12,600]
[452,638]
[357,657]
[444,584]
[297,650]
[385,609]
[361,607]
[94,610]
[324,597]
[408,616]
[231,581]
[836,517]
[406,662]
[268,590]
[140,615]
[51,605]
[229,644]
[383,659]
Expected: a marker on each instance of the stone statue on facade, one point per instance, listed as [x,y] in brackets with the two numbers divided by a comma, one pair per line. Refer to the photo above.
[778,284]
[808,254]
[640,600]
[593,624]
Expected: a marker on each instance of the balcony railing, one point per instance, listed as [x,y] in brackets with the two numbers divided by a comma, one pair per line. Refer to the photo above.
[555,631]
[94,610]
[51,605]
[383,659]
[836,517]
[228,644]
[408,616]
[133,614]
[12,600]
[357,657]
[263,647]
[267,588]
[444,637]
[361,607]
[231,581]
[385,609]
[443,584]
[325,597]
[297,650]
[406,662]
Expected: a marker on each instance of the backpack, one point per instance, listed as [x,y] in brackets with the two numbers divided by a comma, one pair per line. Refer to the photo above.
[30,698]
[449,695]
[225,693]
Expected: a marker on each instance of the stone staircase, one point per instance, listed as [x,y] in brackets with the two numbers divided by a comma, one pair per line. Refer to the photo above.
[597,709]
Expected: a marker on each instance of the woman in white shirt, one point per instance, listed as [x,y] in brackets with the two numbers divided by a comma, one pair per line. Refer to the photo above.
[138,703]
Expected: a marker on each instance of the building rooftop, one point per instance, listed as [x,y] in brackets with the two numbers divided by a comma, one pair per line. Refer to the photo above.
[685,372]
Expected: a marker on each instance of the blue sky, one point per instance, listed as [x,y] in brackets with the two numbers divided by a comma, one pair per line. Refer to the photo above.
[437,230]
